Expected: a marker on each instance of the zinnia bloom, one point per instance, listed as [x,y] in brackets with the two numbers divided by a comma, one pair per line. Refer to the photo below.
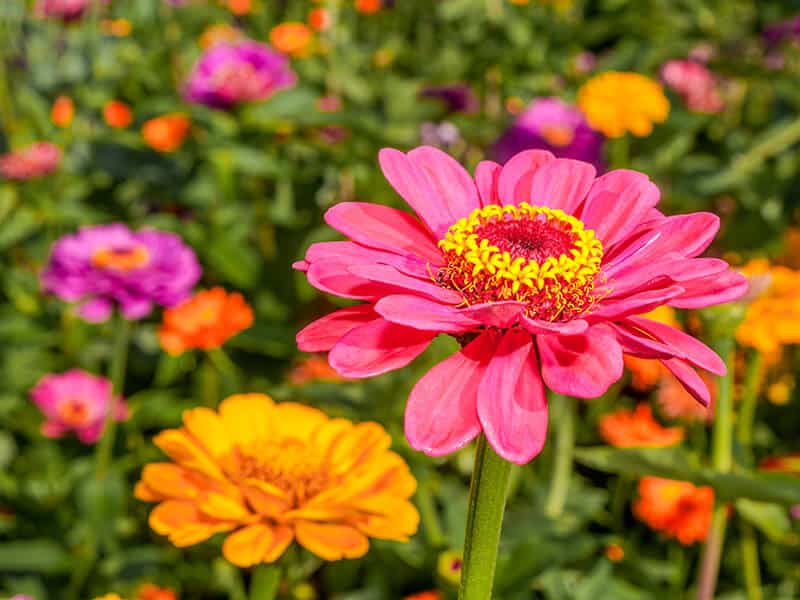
[694,83]
[76,401]
[428,595]
[551,124]
[150,591]
[166,133]
[536,267]
[117,114]
[319,19]
[775,33]
[104,265]
[456,97]
[638,429]
[66,10]
[313,368]
[37,160]
[246,71]
[62,112]
[773,318]
[368,7]
[271,473]
[678,509]
[205,321]
[291,38]
[618,102]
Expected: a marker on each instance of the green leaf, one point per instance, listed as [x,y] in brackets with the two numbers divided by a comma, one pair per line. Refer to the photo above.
[37,556]
[771,519]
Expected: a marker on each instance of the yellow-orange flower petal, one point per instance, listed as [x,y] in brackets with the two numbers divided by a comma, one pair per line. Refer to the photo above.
[292,38]
[637,428]
[677,508]
[332,542]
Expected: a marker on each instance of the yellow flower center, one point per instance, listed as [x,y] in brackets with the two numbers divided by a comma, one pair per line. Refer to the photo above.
[557,135]
[73,412]
[121,259]
[533,254]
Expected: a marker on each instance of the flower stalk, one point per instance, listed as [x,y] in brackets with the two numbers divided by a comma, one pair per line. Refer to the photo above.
[265,582]
[564,412]
[487,498]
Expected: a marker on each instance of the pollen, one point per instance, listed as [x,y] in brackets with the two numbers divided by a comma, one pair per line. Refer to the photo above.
[533,254]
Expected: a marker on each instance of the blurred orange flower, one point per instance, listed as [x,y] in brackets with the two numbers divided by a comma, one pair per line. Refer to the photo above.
[677,403]
[117,27]
[271,473]
[219,33]
[63,111]
[240,7]
[319,19]
[428,595]
[117,114]
[638,428]
[150,591]
[677,508]
[205,321]
[614,552]
[166,133]
[292,38]
[368,7]
[314,368]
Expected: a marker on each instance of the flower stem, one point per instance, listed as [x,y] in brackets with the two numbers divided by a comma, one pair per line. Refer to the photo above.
[427,511]
[487,498]
[722,461]
[564,412]
[752,573]
[265,582]
[747,407]
[116,372]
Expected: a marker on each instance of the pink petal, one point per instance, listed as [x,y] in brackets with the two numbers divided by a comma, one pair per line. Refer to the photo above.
[96,310]
[636,304]
[539,327]
[333,277]
[322,334]
[617,203]
[713,290]
[385,228]
[300,265]
[501,314]
[690,380]
[512,406]
[389,276]
[450,181]
[441,414]
[633,342]
[561,183]
[487,178]
[421,313]
[687,347]
[514,183]
[350,253]
[377,347]
[583,365]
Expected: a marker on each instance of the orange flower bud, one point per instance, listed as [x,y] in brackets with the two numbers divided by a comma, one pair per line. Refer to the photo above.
[63,111]
[166,133]
[291,38]
[117,114]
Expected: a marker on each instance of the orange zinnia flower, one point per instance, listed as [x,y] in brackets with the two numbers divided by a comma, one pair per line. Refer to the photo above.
[368,7]
[319,19]
[428,595]
[271,473]
[638,428]
[150,591]
[291,38]
[677,508]
[314,368]
[117,114]
[240,7]
[205,321]
[166,133]
[63,111]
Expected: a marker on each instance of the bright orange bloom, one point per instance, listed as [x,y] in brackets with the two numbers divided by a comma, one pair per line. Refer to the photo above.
[614,552]
[166,133]
[63,111]
[117,114]
[240,7]
[429,595]
[368,7]
[314,368]
[271,473]
[150,591]
[219,33]
[638,428]
[319,19]
[117,27]
[677,508]
[677,403]
[292,38]
[773,318]
[205,321]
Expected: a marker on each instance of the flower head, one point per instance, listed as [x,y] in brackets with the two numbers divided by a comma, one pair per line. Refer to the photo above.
[319,19]
[66,10]
[694,83]
[313,368]
[536,267]
[776,33]
[676,508]
[76,401]
[616,103]
[205,321]
[167,132]
[427,595]
[117,114]
[271,473]
[150,591]
[37,160]
[456,97]
[551,124]
[231,73]
[62,111]
[103,265]
[638,429]
[369,7]
[291,38]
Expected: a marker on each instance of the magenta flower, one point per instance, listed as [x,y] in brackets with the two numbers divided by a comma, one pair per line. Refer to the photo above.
[694,83]
[231,73]
[76,401]
[36,160]
[537,268]
[104,265]
[66,10]
[551,124]
[456,97]
[776,33]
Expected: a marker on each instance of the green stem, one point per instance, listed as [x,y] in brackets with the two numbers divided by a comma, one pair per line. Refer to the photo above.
[119,358]
[265,582]
[747,407]
[721,461]
[428,514]
[620,152]
[487,499]
[752,573]
[210,382]
[564,413]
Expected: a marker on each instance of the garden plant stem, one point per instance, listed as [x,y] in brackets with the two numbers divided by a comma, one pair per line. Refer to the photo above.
[564,412]
[487,498]
[265,582]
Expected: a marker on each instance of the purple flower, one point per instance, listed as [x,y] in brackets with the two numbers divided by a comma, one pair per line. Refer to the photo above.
[777,32]
[551,124]
[37,160]
[457,97]
[104,265]
[229,73]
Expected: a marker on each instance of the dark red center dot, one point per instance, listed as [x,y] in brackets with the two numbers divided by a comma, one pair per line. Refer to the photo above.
[535,240]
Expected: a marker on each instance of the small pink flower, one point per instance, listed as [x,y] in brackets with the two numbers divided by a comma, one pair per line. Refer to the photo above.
[36,160]
[694,83]
[537,267]
[76,401]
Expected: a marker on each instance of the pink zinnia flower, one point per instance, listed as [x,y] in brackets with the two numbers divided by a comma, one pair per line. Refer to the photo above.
[36,160]
[76,401]
[694,83]
[537,268]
